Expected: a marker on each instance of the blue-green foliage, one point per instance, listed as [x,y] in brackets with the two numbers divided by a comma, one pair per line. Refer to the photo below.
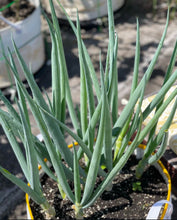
[100,121]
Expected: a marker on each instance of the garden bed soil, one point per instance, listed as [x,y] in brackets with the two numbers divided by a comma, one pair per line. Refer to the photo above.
[120,203]
[16,13]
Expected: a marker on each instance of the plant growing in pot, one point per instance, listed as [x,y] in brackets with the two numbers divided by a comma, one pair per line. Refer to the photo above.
[21,19]
[104,138]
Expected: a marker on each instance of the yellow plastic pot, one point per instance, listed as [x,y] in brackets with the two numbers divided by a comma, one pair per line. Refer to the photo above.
[155,209]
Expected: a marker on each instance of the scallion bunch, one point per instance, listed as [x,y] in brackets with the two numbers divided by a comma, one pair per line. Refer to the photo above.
[102,135]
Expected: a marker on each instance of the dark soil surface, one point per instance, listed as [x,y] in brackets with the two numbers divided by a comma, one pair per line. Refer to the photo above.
[121,202]
[16,12]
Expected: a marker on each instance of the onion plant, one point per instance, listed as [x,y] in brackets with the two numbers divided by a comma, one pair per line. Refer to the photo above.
[103,136]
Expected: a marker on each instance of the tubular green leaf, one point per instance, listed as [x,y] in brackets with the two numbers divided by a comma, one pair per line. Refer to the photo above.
[47,139]
[90,94]
[75,137]
[62,64]
[77,187]
[38,198]
[64,81]
[95,161]
[149,150]
[131,104]
[16,126]
[29,145]
[115,170]
[137,60]
[35,89]
[89,62]
[171,64]
[114,83]
[160,95]
[15,146]
[83,89]
[107,141]
[156,116]
[87,88]
[69,131]
[132,128]
[111,26]
[160,151]
[10,108]
[54,129]
[45,168]
[55,72]
[56,80]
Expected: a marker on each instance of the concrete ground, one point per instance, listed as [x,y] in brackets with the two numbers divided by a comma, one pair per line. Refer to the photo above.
[12,205]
